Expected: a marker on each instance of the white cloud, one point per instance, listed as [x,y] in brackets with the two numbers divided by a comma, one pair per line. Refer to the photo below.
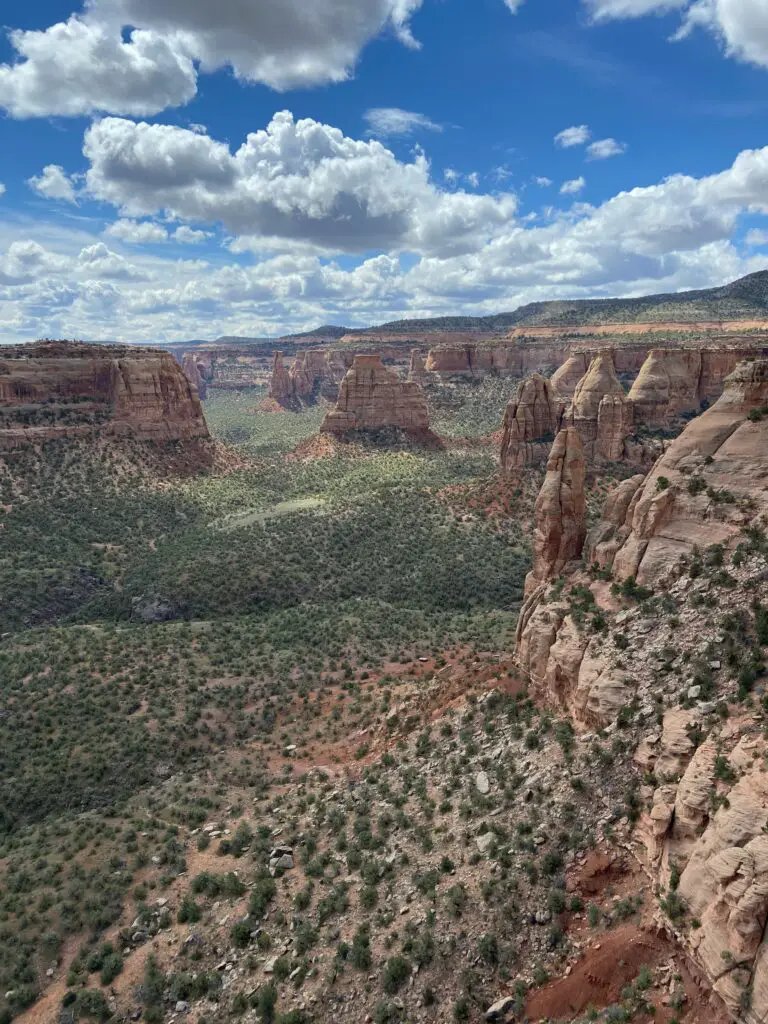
[543,182]
[474,179]
[394,121]
[513,5]
[2,189]
[667,236]
[756,237]
[84,65]
[740,25]
[189,236]
[81,66]
[54,183]
[300,181]
[605,148]
[136,233]
[451,176]
[99,261]
[572,187]
[576,135]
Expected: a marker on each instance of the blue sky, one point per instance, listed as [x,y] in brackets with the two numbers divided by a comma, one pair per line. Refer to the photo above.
[179,169]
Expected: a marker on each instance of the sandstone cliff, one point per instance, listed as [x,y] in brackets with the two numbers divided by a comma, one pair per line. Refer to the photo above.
[194,370]
[560,510]
[705,488]
[530,423]
[600,411]
[58,389]
[674,670]
[373,397]
[314,374]
[418,365]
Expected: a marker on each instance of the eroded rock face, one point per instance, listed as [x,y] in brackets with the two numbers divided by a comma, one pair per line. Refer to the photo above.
[193,370]
[560,510]
[721,453]
[668,384]
[418,366]
[600,411]
[530,423]
[565,379]
[314,374]
[72,389]
[373,397]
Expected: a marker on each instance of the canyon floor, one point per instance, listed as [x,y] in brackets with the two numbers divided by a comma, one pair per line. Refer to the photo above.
[265,753]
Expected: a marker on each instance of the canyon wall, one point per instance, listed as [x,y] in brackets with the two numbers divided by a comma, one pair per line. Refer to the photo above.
[314,374]
[57,389]
[664,644]
[373,397]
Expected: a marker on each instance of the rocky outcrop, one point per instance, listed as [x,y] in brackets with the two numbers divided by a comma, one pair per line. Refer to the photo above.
[373,397]
[565,379]
[194,372]
[668,384]
[314,374]
[530,423]
[702,491]
[418,365]
[600,411]
[560,511]
[59,389]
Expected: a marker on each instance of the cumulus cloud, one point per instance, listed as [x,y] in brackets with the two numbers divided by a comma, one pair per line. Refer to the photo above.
[542,181]
[2,188]
[54,183]
[137,233]
[675,234]
[298,181]
[756,237]
[189,236]
[572,187]
[81,67]
[576,135]
[394,121]
[605,148]
[84,65]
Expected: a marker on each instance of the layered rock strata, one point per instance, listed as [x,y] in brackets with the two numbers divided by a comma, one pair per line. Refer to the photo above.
[530,423]
[57,389]
[560,510]
[314,374]
[703,815]
[373,397]
[600,411]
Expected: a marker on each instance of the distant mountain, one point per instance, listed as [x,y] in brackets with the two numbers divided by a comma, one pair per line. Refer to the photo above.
[745,299]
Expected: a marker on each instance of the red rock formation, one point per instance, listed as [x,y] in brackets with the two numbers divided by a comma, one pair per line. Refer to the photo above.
[560,511]
[600,411]
[530,423]
[57,389]
[565,379]
[282,385]
[373,397]
[194,372]
[720,450]
[668,384]
[417,367]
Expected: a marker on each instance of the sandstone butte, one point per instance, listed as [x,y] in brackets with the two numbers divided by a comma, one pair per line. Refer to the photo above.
[57,388]
[194,371]
[373,397]
[651,530]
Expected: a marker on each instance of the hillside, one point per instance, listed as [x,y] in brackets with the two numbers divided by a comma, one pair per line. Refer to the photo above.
[744,299]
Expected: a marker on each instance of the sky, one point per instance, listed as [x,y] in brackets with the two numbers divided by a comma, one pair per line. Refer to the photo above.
[182,169]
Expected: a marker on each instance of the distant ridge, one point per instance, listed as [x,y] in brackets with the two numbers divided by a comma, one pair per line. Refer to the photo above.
[744,299]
